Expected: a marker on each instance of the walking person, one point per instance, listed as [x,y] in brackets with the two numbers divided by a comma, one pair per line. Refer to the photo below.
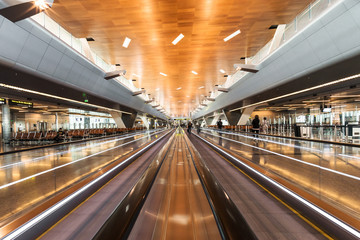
[197,127]
[265,125]
[219,124]
[256,125]
[189,127]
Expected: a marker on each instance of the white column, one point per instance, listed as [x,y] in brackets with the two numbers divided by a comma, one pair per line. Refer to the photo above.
[6,124]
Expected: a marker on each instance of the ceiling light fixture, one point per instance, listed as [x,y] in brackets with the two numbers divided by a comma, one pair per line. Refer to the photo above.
[201,87]
[59,98]
[126,42]
[232,35]
[181,36]
[178,88]
[41,4]
[163,74]
[222,70]
[300,91]
[135,75]
[194,72]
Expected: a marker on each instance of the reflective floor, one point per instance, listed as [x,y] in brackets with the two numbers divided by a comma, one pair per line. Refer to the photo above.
[330,172]
[28,178]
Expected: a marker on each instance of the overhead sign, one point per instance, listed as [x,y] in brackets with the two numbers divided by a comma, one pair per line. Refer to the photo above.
[2,101]
[20,103]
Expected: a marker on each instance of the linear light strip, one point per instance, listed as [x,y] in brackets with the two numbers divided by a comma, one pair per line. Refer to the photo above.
[232,35]
[294,159]
[71,150]
[16,233]
[181,36]
[297,197]
[66,164]
[301,91]
[344,155]
[60,98]
[161,73]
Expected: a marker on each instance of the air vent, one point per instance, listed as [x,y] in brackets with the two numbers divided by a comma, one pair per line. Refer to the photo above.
[90,39]
[226,75]
[118,64]
[242,58]
[273,27]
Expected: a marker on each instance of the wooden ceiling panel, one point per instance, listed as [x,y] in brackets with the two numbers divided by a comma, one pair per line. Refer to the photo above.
[154,24]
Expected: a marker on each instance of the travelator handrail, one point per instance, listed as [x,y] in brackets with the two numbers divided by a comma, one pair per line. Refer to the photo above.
[330,224]
[120,222]
[231,223]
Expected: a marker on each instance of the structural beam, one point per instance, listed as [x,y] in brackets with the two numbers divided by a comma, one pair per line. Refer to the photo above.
[247,67]
[232,117]
[245,114]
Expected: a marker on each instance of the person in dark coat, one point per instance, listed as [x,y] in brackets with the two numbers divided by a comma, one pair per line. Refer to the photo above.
[189,127]
[219,124]
[256,125]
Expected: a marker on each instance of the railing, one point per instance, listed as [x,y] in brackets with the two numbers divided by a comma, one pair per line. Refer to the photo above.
[336,133]
[81,46]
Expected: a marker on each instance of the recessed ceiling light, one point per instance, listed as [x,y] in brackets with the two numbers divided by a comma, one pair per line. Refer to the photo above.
[231,35]
[126,42]
[201,87]
[178,88]
[163,74]
[194,72]
[178,39]
[222,70]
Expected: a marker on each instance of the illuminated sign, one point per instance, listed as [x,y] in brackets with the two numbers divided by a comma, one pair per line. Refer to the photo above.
[20,103]
[2,101]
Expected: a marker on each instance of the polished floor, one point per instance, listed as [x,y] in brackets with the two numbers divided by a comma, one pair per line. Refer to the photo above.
[28,178]
[329,172]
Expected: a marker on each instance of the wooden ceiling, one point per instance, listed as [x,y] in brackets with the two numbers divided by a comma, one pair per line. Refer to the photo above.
[154,24]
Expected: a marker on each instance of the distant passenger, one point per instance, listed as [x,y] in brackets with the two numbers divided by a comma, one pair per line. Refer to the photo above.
[189,127]
[256,125]
[198,127]
[219,124]
[265,126]
[59,136]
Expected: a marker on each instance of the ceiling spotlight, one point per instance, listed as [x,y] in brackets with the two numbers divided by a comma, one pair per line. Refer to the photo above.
[194,72]
[231,35]
[41,4]
[126,42]
[178,39]
[163,74]
[222,70]
[178,88]
[201,87]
